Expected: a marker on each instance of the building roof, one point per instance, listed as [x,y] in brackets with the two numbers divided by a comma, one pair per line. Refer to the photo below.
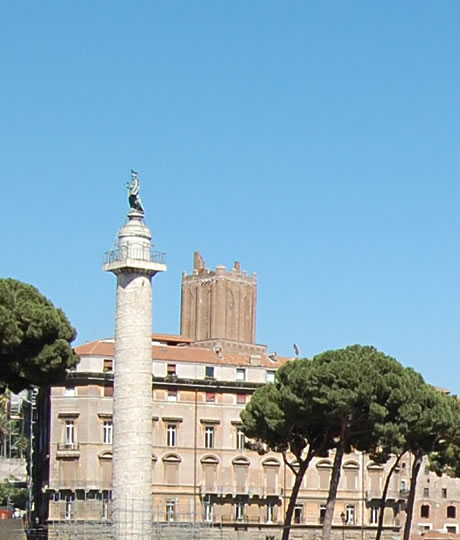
[178,349]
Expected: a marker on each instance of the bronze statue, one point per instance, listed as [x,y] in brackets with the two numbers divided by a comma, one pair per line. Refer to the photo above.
[133,193]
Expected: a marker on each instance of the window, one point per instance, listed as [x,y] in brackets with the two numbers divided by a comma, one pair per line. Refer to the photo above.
[69,391]
[108,391]
[350,515]
[210,397]
[171,435]
[170,510]
[426,492]
[240,439]
[322,513]
[105,509]
[444,493]
[172,395]
[69,506]
[69,432]
[241,399]
[208,508]
[270,512]
[209,372]
[298,513]
[374,515]
[270,375]
[451,529]
[171,464]
[240,511]
[108,365]
[108,432]
[351,471]
[404,485]
[451,512]
[427,470]
[425,511]
[240,374]
[171,370]
[209,437]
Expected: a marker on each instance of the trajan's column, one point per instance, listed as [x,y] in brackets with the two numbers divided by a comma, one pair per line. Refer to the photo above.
[134,264]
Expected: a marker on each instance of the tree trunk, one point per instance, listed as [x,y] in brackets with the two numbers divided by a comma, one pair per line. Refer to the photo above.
[334,484]
[418,457]
[293,498]
[383,498]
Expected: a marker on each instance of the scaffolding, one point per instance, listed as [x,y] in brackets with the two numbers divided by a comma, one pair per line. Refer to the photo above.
[76,520]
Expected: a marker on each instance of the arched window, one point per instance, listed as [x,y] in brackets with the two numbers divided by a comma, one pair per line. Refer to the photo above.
[171,469]
[374,475]
[451,512]
[271,468]
[105,461]
[425,511]
[324,468]
[209,468]
[351,471]
[240,467]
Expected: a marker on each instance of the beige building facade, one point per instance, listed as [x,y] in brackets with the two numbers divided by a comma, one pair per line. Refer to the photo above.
[205,481]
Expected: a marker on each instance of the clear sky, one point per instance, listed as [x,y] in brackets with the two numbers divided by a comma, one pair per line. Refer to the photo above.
[316,142]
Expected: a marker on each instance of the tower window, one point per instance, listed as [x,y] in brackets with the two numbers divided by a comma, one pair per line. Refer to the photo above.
[425,511]
[451,512]
[209,372]
[240,374]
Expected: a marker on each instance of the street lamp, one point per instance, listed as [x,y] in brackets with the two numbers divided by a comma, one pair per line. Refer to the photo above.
[343,517]
[32,403]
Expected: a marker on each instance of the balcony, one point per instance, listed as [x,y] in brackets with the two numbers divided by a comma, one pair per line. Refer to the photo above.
[68,449]
[134,253]
[392,495]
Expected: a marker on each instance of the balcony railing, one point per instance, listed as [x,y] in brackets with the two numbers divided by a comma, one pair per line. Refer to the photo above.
[393,494]
[135,253]
[68,447]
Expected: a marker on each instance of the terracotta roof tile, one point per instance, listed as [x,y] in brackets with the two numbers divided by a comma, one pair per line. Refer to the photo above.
[169,353]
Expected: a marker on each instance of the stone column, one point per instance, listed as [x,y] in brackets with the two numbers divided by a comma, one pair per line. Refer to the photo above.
[132,262]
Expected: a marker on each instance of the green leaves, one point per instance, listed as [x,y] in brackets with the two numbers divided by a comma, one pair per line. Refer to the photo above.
[35,338]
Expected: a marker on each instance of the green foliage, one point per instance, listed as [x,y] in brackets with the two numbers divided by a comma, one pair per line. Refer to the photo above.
[337,400]
[35,338]
[16,497]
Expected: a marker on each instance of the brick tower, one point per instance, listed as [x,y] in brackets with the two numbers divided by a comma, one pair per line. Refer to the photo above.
[134,264]
[219,307]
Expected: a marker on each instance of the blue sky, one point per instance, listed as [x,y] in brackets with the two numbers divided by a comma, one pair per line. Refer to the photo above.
[316,142]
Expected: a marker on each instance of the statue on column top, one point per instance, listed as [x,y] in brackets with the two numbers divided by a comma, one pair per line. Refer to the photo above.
[133,193]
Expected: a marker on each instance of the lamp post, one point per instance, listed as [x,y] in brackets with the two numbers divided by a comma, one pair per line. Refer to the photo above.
[31,402]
